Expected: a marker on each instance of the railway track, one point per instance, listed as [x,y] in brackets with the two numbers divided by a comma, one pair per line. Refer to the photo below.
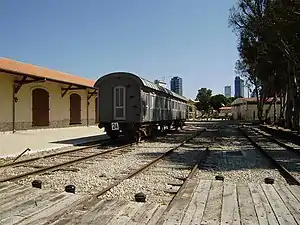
[182,188]
[283,143]
[86,154]
[285,158]
[87,203]
[31,159]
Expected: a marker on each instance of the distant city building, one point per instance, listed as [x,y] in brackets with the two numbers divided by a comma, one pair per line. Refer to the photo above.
[227,91]
[239,86]
[176,85]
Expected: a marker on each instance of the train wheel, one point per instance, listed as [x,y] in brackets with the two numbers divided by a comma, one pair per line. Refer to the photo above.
[150,131]
[138,136]
[181,125]
[169,126]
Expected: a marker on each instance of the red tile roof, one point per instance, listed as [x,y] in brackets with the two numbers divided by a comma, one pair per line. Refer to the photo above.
[255,99]
[8,65]
[225,108]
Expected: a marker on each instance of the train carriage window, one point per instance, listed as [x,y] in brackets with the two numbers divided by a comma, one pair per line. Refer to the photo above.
[150,101]
[119,102]
[158,102]
[166,103]
[153,101]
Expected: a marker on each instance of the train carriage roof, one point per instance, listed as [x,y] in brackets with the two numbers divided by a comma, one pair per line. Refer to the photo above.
[145,83]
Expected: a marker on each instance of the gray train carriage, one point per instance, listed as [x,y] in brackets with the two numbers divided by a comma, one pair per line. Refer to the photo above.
[135,107]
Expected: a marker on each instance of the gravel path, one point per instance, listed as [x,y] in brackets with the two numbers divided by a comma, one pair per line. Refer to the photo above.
[46,162]
[158,181]
[233,156]
[288,159]
[250,166]
[95,174]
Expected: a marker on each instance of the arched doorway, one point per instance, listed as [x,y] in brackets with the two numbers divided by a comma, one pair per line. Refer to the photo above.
[75,109]
[40,107]
[96,111]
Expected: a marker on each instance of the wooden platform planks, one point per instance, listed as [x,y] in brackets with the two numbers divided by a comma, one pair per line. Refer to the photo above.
[230,209]
[27,205]
[213,206]
[175,212]
[195,211]
[216,202]
[279,207]
[200,202]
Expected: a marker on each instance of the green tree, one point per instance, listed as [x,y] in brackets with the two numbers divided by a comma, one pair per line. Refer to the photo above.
[269,50]
[218,101]
[203,97]
[230,100]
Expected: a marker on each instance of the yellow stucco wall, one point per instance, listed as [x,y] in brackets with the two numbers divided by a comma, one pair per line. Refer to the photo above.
[6,105]
[246,111]
[59,113]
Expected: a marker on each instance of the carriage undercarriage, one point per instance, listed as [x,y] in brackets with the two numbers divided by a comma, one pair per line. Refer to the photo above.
[133,132]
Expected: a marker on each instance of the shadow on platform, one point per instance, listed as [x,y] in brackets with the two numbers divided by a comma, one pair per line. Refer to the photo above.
[82,141]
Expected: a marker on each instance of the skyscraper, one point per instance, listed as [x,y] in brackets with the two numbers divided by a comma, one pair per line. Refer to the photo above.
[242,88]
[239,87]
[227,91]
[176,85]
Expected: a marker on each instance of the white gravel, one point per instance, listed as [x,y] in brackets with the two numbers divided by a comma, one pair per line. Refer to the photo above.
[97,173]
[251,166]
[288,159]
[45,162]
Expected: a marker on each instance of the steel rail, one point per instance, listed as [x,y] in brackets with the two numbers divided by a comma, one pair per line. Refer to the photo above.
[89,201]
[60,165]
[283,171]
[289,148]
[53,154]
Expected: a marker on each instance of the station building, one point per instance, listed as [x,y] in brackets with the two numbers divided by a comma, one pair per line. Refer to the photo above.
[246,109]
[193,112]
[225,112]
[33,97]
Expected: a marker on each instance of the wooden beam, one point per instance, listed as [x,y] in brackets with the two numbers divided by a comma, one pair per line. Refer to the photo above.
[70,88]
[73,88]
[90,94]
[65,90]
[24,81]
[19,83]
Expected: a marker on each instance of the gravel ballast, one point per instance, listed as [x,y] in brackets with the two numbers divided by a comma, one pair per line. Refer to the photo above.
[97,173]
[230,155]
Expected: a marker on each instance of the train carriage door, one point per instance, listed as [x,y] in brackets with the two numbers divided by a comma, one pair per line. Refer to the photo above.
[40,107]
[75,109]
[147,106]
[119,103]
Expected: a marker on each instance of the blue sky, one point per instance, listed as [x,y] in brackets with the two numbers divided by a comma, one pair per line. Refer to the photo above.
[154,39]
